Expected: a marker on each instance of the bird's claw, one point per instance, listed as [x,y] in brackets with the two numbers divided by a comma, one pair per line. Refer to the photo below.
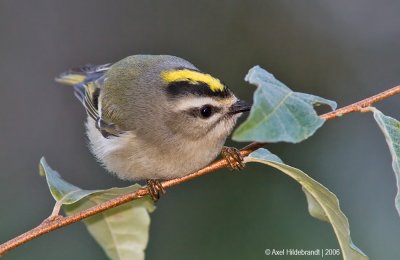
[155,189]
[233,157]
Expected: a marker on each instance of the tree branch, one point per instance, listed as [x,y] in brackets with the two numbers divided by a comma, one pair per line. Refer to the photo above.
[360,105]
[60,221]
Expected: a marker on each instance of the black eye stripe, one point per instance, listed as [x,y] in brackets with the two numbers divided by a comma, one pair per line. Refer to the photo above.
[197,111]
[182,88]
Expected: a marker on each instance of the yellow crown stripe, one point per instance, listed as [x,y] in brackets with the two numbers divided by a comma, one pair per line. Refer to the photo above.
[193,77]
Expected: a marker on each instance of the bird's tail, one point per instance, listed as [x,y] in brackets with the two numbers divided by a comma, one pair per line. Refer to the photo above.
[83,79]
[82,75]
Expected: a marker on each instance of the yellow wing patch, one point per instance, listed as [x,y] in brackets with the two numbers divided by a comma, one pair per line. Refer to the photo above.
[71,79]
[193,77]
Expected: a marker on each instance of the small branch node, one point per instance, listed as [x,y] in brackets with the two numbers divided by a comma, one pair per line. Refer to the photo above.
[366,109]
[55,214]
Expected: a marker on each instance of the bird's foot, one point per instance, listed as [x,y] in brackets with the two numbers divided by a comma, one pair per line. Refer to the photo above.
[233,157]
[155,188]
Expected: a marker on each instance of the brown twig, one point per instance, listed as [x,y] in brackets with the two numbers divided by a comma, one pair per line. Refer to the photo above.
[358,106]
[60,221]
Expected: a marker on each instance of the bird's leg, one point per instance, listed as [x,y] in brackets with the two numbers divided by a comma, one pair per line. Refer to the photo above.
[155,188]
[233,157]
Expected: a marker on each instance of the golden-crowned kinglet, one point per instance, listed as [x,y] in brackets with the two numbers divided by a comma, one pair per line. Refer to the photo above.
[154,116]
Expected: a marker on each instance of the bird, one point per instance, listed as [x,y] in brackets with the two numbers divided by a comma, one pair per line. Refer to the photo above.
[155,117]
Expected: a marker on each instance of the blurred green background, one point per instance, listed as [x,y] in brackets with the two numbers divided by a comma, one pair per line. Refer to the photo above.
[341,50]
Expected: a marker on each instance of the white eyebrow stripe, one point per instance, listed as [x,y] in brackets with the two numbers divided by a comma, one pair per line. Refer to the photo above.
[189,102]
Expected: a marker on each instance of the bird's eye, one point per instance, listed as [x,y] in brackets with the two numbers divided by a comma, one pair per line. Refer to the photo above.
[206,111]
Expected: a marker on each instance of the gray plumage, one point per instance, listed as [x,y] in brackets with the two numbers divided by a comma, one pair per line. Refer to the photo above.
[150,134]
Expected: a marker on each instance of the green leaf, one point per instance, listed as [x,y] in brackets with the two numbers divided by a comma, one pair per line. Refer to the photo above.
[123,231]
[323,204]
[61,190]
[391,130]
[279,114]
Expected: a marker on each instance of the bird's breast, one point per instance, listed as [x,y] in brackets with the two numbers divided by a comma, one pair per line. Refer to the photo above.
[132,158]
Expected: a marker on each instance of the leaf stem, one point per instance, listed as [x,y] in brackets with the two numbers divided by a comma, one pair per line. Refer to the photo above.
[56,223]
[360,105]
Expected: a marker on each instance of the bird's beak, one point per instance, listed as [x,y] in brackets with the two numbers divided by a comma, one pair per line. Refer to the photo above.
[239,107]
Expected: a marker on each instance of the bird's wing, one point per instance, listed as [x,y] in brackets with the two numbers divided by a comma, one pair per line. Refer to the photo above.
[87,82]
